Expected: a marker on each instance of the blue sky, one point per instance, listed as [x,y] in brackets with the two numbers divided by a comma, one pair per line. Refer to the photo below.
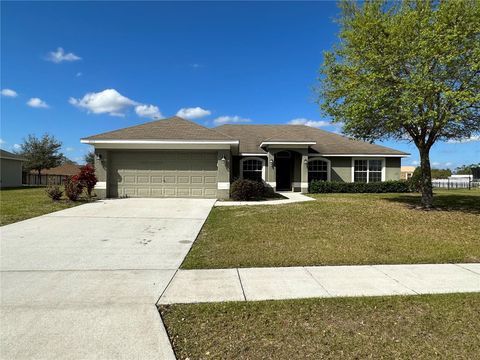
[77,69]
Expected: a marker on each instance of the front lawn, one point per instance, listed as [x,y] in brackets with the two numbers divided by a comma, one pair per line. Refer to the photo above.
[342,229]
[415,327]
[24,203]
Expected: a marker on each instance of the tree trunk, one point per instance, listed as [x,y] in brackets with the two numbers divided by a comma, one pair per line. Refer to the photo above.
[426,178]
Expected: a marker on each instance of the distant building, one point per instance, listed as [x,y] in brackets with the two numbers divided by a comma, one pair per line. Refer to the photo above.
[54,175]
[11,169]
[460,177]
[406,172]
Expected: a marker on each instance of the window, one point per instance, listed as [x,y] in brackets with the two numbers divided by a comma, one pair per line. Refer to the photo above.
[252,169]
[368,170]
[317,170]
[374,170]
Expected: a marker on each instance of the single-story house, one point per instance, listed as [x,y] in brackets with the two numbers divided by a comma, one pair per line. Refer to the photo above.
[55,175]
[11,169]
[406,172]
[175,157]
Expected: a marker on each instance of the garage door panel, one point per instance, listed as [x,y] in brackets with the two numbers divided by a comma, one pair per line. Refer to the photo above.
[163,174]
[183,180]
[156,180]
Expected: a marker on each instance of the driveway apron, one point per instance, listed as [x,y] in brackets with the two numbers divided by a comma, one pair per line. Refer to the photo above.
[82,283]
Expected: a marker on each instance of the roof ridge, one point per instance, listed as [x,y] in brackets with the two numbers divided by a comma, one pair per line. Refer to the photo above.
[163,125]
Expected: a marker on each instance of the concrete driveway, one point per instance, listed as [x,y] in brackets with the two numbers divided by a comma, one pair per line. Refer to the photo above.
[83,282]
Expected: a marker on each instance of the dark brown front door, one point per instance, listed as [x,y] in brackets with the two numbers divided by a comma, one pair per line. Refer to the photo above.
[284,173]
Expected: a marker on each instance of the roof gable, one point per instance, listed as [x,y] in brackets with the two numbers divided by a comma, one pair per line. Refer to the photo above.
[174,128]
[10,156]
[327,143]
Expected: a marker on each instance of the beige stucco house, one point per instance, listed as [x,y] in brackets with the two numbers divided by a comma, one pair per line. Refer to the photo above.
[406,172]
[11,169]
[175,157]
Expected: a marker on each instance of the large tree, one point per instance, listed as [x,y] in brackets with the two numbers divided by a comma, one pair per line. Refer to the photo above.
[90,158]
[466,169]
[406,70]
[41,153]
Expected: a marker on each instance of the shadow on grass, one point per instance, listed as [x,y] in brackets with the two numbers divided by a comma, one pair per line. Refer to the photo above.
[443,202]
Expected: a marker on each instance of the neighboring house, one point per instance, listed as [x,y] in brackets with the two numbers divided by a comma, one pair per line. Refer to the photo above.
[54,175]
[406,172]
[11,169]
[178,158]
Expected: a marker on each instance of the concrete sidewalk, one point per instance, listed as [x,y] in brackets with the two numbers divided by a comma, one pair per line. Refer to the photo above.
[214,285]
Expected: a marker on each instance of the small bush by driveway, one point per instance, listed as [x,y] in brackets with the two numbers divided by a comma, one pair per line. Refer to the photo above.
[340,229]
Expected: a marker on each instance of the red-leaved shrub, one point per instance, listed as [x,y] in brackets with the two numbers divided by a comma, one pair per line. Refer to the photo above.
[87,178]
[73,187]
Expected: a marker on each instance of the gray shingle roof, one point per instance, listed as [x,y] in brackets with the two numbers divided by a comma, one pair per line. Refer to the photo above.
[174,128]
[8,155]
[251,136]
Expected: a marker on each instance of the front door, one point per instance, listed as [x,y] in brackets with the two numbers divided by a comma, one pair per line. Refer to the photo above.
[284,169]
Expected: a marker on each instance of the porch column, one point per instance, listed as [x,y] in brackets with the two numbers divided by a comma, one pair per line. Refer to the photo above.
[101,171]
[223,174]
[271,177]
[304,173]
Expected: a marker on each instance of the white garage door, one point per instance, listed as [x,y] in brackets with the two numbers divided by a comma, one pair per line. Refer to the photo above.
[162,174]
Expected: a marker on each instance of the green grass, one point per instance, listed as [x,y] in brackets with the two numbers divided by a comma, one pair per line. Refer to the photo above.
[415,327]
[24,203]
[342,229]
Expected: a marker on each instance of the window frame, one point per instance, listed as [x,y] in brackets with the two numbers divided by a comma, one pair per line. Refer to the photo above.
[368,167]
[242,160]
[329,166]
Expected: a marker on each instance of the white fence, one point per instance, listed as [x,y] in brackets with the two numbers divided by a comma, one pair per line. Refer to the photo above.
[455,183]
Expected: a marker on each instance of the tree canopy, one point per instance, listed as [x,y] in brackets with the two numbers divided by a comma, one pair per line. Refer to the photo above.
[41,153]
[466,169]
[405,70]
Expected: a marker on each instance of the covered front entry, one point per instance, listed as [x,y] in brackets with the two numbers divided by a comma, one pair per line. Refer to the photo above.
[163,173]
[284,164]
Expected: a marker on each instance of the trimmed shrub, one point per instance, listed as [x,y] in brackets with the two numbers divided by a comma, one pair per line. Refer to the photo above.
[393,186]
[73,187]
[87,178]
[54,192]
[244,190]
[415,181]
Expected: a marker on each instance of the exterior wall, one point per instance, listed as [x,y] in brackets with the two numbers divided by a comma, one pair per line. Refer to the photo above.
[101,171]
[341,168]
[223,174]
[392,168]
[297,171]
[271,171]
[10,173]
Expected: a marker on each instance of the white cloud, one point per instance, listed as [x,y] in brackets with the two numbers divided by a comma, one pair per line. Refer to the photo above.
[9,93]
[415,162]
[78,74]
[230,120]
[148,111]
[193,113]
[307,122]
[436,163]
[37,103]
[466,140]
[108,101]
[16,146]
[60,56]
[69,149]
[2,141]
